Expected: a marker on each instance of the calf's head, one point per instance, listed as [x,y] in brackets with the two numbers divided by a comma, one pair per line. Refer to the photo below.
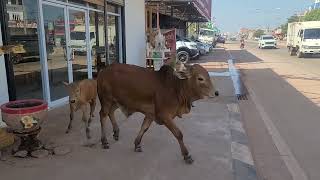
[200,82]
[74,93]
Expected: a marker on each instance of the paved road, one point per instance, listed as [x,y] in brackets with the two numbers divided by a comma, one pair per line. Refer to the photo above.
[286,93]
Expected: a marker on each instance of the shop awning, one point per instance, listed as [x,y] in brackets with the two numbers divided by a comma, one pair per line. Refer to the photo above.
[187,10]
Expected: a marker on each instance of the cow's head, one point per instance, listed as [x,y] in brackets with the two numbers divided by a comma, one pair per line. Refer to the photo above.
[74,93]
[199,80]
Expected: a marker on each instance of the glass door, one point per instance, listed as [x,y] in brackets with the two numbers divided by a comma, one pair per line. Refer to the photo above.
[54,22]
[78,43]
[113,38]
[67,46]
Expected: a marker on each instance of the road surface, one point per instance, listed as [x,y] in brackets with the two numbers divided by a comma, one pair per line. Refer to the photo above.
[285,91]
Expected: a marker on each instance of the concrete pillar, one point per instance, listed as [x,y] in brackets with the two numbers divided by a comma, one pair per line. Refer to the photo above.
[135,32]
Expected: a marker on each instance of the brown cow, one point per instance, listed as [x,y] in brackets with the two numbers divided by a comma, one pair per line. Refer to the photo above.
[159,95]
[80,94]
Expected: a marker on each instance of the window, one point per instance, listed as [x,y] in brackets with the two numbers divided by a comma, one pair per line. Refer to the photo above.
[312,33]
[97,39]
[22,31]
[267,37]
[112,8]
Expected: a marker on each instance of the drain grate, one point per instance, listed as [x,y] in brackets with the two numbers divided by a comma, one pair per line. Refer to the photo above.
[242,97]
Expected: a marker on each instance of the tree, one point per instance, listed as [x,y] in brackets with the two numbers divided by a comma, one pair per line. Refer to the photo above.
[293,18]
[284,27]
[313,15]
[258,33]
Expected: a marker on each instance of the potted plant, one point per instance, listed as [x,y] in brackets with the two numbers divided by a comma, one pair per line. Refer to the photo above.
[24,118]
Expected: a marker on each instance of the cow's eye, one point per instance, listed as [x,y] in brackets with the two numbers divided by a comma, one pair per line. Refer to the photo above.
[200,79]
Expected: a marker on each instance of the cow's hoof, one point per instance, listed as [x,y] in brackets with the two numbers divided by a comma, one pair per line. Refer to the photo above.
[138,149]
[105,146]
[188,159]
[116,137]
[67,131]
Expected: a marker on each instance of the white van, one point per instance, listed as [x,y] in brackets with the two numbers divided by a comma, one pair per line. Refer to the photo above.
[207,36]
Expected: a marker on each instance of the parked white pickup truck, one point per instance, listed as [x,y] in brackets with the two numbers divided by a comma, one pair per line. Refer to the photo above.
[303,38]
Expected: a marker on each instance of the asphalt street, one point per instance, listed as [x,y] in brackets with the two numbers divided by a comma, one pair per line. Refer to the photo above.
[285,95]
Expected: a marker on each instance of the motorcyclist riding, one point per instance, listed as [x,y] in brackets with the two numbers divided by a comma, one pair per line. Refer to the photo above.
[242,43]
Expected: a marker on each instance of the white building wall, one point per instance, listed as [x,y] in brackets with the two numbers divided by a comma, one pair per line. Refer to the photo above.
[135,32]
[4,97]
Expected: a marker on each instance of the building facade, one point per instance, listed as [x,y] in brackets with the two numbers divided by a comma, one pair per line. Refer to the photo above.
[65,41]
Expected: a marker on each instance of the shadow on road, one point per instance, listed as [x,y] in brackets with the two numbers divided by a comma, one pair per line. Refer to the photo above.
[243,56]
[295,115]
[300,77]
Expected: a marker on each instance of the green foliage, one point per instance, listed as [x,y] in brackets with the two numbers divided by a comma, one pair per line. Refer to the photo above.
[258,33]
[313,15]
[284,27]
[293,18]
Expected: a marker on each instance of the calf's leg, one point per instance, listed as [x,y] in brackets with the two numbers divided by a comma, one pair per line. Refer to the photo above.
[70,120]
[92,108]
[86,120]
[144,127]
[179,136]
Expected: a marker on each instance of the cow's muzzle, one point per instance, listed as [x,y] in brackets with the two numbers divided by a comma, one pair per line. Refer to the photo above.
[216,93]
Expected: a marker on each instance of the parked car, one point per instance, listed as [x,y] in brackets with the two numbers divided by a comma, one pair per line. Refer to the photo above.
[208,36]
[267,41]
[221,40]
[256,38]
[233,39]
[186,49]
[203,47]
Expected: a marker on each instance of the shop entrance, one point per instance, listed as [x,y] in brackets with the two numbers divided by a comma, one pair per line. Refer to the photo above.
[68,46]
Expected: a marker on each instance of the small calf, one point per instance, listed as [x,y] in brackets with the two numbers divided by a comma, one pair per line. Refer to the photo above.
[80,94]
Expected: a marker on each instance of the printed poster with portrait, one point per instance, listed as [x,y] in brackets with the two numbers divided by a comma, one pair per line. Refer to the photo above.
[170,37]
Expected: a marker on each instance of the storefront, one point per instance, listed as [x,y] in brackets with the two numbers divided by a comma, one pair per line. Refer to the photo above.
[176,13]
[66,41]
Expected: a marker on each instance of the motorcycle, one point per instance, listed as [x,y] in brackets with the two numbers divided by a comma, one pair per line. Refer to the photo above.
[242,45]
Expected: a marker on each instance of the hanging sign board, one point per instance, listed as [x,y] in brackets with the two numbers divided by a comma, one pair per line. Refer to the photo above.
[170,37]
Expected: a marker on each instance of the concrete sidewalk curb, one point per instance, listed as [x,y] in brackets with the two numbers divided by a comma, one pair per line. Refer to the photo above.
[242,162]
[243,167]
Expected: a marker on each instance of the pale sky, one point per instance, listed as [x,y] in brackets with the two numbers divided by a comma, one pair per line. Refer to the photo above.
[231,15]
